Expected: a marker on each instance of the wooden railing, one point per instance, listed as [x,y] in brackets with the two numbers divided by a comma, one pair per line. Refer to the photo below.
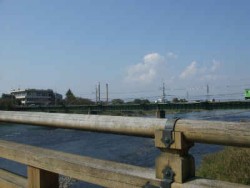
[175,167]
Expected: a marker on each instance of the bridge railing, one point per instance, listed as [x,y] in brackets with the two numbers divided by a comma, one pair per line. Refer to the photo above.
[174,167]
[205,105]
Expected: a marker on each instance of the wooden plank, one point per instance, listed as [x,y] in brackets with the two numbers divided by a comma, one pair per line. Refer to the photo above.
[100,172]
[215,132]
[38,178]
[10,180]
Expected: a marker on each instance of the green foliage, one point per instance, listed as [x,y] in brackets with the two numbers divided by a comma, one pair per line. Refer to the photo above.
[78,101]
[117,101]
[141,101]
[70,95]
[7,103]
[71,99]
[232,164]
[82,101]
[176,100]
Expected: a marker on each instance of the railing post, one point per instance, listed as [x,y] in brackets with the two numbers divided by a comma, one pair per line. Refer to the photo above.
[38,178]
[174,164]
[160,114]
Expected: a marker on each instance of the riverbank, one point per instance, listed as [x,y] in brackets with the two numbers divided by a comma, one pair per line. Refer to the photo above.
[232,164]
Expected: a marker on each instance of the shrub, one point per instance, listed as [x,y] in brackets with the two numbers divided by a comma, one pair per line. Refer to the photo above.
[231,164]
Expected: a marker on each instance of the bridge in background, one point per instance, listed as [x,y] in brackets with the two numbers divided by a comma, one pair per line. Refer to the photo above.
[139,107]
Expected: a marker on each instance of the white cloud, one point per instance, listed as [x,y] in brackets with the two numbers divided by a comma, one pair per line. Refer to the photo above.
[191,70]
[171,55]
[215,65]
[154,67]
[203,73]
[146,71]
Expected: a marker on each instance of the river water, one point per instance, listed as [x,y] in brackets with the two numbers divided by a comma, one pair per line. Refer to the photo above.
[125,149]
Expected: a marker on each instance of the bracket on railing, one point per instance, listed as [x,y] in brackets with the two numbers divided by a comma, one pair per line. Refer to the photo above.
[170,139]
[168,177]
[166,182]
[167,137]
[164,138]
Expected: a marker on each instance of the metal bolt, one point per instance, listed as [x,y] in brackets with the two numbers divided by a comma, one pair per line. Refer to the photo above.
[168,173]
[167,140]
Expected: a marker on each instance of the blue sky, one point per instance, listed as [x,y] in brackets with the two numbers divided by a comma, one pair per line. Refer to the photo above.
[133,45]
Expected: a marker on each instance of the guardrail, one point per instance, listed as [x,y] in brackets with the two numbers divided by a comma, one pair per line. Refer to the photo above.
[175,167]
[206,105]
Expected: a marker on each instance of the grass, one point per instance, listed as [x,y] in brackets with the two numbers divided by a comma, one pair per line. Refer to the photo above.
[231,164]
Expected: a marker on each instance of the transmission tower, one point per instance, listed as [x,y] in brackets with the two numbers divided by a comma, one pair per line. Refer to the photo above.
[163,97]
[207,92]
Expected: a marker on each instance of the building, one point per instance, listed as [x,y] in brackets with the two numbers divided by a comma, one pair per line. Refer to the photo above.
[37,96]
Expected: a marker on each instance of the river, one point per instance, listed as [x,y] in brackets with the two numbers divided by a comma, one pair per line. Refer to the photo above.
[119,148]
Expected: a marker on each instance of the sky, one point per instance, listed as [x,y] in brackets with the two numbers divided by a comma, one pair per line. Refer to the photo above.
[134,46]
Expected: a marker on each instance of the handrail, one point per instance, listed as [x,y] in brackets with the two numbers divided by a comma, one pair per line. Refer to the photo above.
[110,124]
[173,168]
[211,132]
[215,132]
[82,168]
[99,172]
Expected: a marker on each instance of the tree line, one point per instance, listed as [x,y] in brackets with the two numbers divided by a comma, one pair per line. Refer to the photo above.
[8,101]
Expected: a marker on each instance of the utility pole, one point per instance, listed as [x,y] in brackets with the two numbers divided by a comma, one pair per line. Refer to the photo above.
[187,96]
[99,92]
[107,93]
[96,94]
[162,113]
[207,92]
[163,98]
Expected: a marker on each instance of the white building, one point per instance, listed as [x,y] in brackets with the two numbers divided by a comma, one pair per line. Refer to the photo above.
[36,96]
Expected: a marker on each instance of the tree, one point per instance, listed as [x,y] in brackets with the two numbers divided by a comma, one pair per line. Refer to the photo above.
[175,100]
[117,101]
[7,102]
[141,101]
[70,95]
[71,99]
[183,100]
[82,101]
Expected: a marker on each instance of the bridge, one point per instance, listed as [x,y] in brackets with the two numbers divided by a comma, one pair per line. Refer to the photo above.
[138,107]
[174,167]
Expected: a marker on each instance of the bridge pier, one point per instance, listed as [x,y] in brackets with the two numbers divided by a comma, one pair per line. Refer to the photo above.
[160,114]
